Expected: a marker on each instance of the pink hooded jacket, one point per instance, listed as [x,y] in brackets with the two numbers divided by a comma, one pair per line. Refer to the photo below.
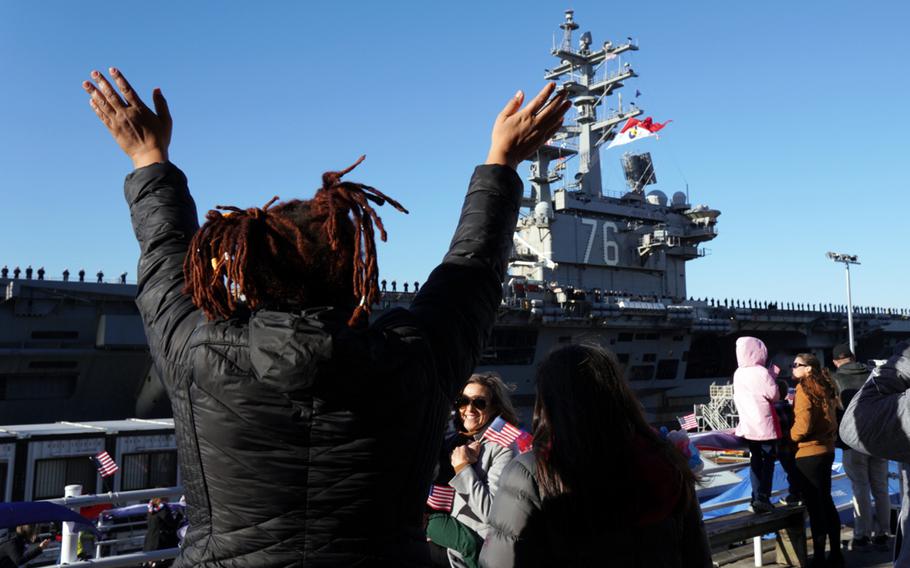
[754,392]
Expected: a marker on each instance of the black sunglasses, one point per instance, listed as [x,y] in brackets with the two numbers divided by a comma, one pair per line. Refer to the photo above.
[479,402]
[795,365]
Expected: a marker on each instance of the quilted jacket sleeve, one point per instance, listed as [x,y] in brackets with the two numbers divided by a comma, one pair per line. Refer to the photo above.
[164,220]
[877,422]
[457,305]
[516,500]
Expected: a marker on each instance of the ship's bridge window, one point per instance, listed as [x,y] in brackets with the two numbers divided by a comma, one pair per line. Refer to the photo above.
[53,364]
[4,471]
[37,386]
[55,335]
[667,369]
[678,338]
[623,358]
[641,372]
[510,346]
[624,337]
[149,469]
[649,357]
[52,475]
[646,336]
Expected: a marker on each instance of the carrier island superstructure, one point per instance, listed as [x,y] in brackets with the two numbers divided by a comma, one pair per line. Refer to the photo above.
[596,266]
[589,265]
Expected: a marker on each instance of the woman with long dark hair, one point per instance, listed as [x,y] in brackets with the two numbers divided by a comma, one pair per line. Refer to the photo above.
[815,431]
[308,435]
[600,484]
[471,464]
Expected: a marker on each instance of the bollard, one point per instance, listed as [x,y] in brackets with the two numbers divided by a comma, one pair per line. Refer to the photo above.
[70,536]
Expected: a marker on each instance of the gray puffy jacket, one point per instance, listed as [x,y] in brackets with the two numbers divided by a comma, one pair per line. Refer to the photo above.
[877,421]
[527,531]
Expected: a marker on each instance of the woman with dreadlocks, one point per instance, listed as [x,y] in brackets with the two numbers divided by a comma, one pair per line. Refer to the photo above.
[282,391]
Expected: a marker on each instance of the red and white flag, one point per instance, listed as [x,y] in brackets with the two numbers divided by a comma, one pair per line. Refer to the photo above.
[106,464]
[441,498]
[688,422]
[635,129]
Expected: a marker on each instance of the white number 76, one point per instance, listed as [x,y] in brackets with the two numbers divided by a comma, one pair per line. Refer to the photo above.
[611,248]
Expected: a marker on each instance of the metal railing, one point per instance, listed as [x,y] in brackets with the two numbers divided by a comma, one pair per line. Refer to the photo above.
[74,500]
[124,560]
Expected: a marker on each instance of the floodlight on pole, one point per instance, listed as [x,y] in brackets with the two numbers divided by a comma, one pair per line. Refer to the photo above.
[847,260]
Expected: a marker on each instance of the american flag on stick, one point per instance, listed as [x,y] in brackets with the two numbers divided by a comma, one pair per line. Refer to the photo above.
[106,464]
[688,422]
[506,434]
[441,498]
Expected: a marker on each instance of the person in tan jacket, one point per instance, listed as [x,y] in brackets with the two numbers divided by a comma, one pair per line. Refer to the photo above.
[814,430]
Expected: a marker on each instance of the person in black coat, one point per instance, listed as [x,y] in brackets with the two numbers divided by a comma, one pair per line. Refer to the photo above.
[307,436]
[15,550]
[162,530]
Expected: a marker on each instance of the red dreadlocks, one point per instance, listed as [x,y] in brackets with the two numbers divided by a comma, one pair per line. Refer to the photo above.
[297,253]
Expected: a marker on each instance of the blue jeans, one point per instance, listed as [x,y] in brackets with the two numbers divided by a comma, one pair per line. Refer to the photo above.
[761,471]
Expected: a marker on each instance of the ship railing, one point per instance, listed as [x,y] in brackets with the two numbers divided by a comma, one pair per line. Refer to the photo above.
[75,500]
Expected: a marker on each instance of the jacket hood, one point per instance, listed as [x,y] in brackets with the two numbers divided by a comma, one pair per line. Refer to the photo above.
[751,352]
[851,376]
[287,348]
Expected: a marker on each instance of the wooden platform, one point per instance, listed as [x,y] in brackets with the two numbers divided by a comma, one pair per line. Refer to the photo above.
[787,523]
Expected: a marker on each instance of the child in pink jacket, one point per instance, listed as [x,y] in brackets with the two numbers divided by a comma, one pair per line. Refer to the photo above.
[754,393]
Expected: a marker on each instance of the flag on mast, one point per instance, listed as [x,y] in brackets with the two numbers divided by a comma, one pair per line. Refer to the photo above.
[635,129]
[105,464]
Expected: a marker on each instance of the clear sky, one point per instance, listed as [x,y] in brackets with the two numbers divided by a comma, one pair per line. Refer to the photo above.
[790,117]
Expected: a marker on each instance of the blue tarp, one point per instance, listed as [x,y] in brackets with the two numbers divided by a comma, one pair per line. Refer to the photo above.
[840,490]
[35,512]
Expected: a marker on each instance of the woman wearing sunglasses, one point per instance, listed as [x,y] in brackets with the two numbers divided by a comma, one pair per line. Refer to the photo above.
[601,488]
[814,430]
[472,466]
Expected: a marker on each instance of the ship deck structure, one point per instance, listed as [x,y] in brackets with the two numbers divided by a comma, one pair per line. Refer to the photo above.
[588,265]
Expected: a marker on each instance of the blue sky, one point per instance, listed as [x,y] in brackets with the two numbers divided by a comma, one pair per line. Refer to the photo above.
[790,117]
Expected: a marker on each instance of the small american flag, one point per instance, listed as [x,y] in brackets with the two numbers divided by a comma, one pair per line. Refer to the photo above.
[441,498]
[502,432]
[688,422]
[525,443]
[106,464]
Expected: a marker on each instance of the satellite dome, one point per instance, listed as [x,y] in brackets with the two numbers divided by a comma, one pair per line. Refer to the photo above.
[679,199]
[542,211]
[657,197]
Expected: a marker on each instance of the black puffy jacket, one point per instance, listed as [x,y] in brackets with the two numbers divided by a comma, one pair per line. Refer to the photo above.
[303,442]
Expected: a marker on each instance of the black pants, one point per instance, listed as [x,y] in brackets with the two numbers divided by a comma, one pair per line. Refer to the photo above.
[815,483]
[761,468]
[787,458]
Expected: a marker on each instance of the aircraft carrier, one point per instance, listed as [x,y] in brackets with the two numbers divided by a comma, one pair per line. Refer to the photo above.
[588,265]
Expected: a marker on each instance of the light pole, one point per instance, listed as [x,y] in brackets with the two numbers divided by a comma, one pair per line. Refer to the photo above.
[847,259]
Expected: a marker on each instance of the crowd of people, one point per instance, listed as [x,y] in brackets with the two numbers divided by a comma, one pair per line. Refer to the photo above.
[16,272]
[308,435]
[803,437]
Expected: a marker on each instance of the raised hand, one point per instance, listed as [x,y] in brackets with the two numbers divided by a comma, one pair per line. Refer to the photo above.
[142,134]
[519,133]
